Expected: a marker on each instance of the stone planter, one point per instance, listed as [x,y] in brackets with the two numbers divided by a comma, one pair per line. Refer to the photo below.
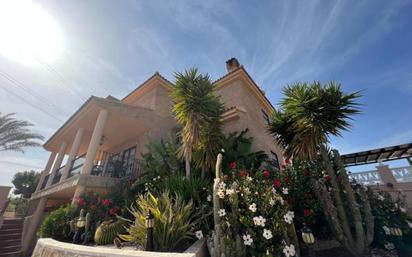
[47,247]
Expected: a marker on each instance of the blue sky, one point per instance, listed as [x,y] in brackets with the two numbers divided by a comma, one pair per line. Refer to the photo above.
[111,48]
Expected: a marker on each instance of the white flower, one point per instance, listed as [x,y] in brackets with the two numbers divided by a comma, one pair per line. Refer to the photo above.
[199,234]
[252,207]
[230,191]
[289,250]
[381,198]
[409,223]
[247,239]
[221,212]
[158,177]
[246,190]
[389,246]
[222,186]
[209,198]
[396,205]
[402,209]
[259,221]
[267,234]
[273,190]
[285,191]
[220,193]
[288,217]
[387,230]
[249,178]
[222,150]
[272,202]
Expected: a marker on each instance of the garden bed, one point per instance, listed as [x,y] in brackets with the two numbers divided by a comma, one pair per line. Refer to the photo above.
[47,247]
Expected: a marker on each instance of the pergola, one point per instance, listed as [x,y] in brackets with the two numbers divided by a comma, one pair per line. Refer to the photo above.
[390,153]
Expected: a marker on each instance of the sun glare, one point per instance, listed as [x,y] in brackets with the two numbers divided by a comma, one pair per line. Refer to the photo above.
[28,33]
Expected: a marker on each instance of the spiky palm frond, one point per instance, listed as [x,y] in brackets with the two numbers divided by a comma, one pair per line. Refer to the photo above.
[15,134]
[309,114]
[198,109]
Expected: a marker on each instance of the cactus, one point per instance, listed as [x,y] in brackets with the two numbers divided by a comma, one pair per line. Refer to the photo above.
[220,245]
[108,231]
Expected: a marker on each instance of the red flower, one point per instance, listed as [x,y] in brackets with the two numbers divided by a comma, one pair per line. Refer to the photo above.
[243,173]
[113,211]
[105,192]
[266,174]
[106,202]
[277,183]
[81,201]
[306,212]
[287,161]
[287,180]
[232,165]
[327,178]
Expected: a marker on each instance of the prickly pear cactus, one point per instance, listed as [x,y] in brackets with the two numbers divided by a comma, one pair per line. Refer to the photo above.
[108,231]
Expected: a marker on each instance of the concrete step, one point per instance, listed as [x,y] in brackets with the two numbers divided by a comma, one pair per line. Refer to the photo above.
[9,231]
[11,254]
[10,236]
[12,225]
[11,248]
[10,242]
[13,221]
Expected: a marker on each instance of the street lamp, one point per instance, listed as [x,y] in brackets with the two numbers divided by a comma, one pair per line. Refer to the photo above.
[308,239]
[396,232]
[149,235]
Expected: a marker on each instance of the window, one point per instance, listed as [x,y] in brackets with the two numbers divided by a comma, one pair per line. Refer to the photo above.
[129,156]
[265,117]
[274,159]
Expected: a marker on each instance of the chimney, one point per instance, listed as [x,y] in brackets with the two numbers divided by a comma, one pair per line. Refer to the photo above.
[232,64]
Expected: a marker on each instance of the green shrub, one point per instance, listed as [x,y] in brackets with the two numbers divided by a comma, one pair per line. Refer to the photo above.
[174,222]
[56,224]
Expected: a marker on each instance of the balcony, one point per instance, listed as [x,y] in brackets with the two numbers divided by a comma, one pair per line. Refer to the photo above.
[400,175]
[103,174]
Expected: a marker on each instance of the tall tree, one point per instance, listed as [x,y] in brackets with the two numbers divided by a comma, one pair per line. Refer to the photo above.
[25,183]
[308,115]
[197,108]
[15,134]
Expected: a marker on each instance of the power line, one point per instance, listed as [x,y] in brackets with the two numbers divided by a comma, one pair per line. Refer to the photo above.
[27,89]
[31,104]
[20,164]
[62,80]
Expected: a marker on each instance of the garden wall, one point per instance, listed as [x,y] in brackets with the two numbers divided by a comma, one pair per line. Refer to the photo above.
[47,247]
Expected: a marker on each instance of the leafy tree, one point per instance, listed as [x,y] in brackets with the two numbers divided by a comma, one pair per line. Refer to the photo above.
[15,134]
[197,108]
[309,114]
[25,183]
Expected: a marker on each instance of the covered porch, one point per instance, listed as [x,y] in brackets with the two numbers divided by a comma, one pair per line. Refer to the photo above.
[102,139]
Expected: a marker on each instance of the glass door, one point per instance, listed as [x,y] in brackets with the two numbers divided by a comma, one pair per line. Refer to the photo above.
[129,156]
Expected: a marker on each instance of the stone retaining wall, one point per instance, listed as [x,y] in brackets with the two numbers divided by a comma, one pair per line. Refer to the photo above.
[47,247]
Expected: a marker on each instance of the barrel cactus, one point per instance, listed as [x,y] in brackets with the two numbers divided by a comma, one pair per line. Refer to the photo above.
[108,231]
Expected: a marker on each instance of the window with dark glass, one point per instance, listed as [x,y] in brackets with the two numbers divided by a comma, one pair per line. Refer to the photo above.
[129,156]
[274,159]
[265,117]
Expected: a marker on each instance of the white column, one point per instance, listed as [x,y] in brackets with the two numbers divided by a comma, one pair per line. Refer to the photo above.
[46,169]
[73,153]
[94,142]
[57,163]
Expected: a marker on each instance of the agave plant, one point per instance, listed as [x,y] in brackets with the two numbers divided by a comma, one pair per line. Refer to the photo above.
[174,222]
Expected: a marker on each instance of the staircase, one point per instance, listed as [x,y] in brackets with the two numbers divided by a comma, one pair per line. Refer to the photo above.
[10,237]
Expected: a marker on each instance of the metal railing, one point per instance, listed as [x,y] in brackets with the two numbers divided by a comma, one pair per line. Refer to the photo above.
[367,177]
[402,174]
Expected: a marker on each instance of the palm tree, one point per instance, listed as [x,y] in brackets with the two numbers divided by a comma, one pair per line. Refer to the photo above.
[309,114]
[15,134]
[197,108]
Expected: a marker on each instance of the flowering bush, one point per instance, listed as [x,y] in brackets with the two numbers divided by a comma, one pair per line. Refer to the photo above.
[389,211]
[253,206]
[100,205]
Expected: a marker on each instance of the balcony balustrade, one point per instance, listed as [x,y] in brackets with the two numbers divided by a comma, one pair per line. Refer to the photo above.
[367,177]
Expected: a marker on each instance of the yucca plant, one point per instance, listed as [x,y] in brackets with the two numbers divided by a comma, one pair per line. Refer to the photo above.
[174,222]
[197,108]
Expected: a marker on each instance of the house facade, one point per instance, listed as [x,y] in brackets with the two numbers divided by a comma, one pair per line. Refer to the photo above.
[105,137]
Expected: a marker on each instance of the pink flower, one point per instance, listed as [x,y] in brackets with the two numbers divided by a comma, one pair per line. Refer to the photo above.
[306,212]
[113,211]
[81,201]
[266,174]
[106,202]
[277,183]
[232,165]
